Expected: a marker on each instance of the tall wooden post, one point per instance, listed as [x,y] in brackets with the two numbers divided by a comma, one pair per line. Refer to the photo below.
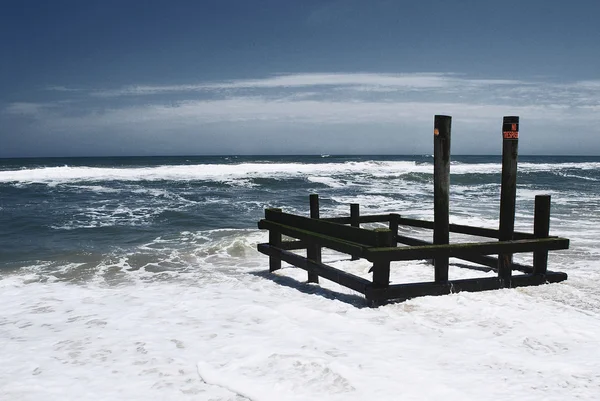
[508,192]
[354,220]
[541,229]
[274,240]
[441,191]
[313,251]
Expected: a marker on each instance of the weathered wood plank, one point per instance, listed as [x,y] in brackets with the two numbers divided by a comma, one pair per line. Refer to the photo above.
[492,263]
[349,280]
[412,290]
[367,218]
[346,233]
[488,261]
[538,279]
[312,237]
[405,221]
[466,249]
[485,232]
[463,229]
[293,245]
[403,239]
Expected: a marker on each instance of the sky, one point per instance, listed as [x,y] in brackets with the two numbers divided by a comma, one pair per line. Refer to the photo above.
[123,78]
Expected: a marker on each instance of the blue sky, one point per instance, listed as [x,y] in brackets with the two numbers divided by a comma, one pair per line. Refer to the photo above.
[85,78]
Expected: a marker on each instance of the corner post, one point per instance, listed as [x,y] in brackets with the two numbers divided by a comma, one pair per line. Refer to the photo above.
[541,229]
[441,191]
[508,193]
[354,220]
[313,251]
[274,240]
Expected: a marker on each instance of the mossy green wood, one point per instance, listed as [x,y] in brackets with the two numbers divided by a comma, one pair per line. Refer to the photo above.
[313,237]
[346,233]
[466,249]
[331,273]
[488,261]
[377,295]
[462,229]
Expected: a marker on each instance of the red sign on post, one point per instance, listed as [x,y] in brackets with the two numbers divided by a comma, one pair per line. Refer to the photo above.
[510,130]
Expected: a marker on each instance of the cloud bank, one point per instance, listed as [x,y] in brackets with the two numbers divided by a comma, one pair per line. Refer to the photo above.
[234,111]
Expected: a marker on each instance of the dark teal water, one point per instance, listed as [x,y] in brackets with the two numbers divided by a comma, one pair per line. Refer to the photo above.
[96,211]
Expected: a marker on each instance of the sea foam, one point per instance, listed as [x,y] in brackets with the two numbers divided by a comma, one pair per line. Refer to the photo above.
[227,172]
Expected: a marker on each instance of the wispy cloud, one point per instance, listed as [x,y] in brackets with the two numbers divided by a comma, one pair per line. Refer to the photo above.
[263,110]
[359,81]
[371,87]
[25,108]
[591,85]
[60,88]
[416,80]
[145,90]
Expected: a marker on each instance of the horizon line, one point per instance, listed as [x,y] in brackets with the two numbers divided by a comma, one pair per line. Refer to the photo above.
[323,155]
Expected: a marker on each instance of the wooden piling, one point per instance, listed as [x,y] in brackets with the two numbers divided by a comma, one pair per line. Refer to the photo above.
[441,194]
[274,240]
[508,192]
[313,251]
[355,221]
[541,229]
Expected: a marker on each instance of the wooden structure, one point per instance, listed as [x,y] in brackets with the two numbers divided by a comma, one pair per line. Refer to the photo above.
[379,246]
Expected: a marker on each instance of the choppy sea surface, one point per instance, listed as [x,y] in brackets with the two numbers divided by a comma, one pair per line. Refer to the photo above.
[139,279]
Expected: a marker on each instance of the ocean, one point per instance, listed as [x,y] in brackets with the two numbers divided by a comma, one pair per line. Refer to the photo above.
[137,278]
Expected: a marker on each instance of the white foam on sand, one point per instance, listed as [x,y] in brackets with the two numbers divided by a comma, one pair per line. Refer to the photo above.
[226,330]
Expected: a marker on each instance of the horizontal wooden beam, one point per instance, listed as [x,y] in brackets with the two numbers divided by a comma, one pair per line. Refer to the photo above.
[349,280]
[455,228]
[312,237]
[412,290]
[293,245]
[488,261]
[463,229]
[339,231]
[403,239]
[368,218]
[465,249]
